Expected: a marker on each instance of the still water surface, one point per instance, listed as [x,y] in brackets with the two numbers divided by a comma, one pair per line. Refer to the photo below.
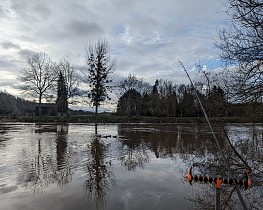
[114,166]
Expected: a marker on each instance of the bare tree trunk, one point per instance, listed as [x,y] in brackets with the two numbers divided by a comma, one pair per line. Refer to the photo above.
[96,128]
[96,109]
[40,105]
[67,113]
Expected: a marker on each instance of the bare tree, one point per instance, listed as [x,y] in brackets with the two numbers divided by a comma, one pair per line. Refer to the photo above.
[39,76]
[132,82]
[242,45]
[100,65]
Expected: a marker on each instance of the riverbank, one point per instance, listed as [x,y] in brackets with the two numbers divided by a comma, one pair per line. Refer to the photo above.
[111,118]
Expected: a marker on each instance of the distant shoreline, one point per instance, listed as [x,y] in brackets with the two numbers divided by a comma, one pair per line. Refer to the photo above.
[108,118]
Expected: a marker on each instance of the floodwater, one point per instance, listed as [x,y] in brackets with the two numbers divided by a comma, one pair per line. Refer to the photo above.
[123,166]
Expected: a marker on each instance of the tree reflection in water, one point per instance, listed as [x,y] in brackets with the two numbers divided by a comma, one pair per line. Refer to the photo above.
[249,144]
[164,140]
[64,172]
[3,138]
[204,197]
[41,167]
[50,156]
[194,144]
[133,149]
[100,175]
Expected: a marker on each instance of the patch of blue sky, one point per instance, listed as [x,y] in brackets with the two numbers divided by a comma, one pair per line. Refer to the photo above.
[212,64]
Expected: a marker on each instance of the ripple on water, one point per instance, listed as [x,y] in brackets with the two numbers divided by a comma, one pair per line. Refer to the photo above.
[7,189]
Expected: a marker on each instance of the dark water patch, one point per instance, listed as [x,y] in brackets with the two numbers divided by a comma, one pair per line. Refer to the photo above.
[7,189]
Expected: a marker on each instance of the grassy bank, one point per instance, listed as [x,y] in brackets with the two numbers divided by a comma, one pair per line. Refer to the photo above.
[111,118]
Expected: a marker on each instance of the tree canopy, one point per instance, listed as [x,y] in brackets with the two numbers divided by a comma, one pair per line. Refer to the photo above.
[38,76]
[99,66]
[242,45]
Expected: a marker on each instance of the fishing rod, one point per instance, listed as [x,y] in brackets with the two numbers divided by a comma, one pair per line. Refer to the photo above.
[216,140]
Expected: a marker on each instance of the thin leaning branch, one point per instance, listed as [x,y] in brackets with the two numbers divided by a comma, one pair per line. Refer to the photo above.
[215,138]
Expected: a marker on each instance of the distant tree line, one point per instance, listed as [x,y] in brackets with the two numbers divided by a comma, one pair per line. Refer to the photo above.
[10,105]
[165,99]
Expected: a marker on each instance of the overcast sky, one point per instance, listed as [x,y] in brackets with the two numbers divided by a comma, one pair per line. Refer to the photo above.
[147,37]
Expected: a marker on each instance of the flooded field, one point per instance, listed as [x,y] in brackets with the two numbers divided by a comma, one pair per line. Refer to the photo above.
[124,166]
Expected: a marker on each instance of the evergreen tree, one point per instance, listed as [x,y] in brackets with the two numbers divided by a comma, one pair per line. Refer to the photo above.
[155,100]
[155,87]
[71,79]
[62,102]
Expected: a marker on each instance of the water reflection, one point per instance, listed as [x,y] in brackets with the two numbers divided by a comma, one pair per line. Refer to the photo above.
[61,145]
[133,150]
[3,131]
[125,166]
[100,174]
[42,167]
[248,143]
[64,168]
[165,141]
[195,145]
[204,198]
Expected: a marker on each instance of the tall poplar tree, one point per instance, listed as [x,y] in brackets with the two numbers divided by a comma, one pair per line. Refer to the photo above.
[100,65]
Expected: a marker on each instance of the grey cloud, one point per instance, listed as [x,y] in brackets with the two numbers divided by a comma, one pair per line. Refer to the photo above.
[67,25]
[31,10]
[25,53]
[7,84]
[9,45]
[78,9]
[3,12]
[83,28]
[6,63]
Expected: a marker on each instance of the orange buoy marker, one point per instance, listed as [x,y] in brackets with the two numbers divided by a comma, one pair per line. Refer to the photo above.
[246,182]
[189,175]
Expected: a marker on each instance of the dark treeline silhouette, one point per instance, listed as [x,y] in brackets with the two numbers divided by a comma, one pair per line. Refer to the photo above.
[11,105]
[165,99]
